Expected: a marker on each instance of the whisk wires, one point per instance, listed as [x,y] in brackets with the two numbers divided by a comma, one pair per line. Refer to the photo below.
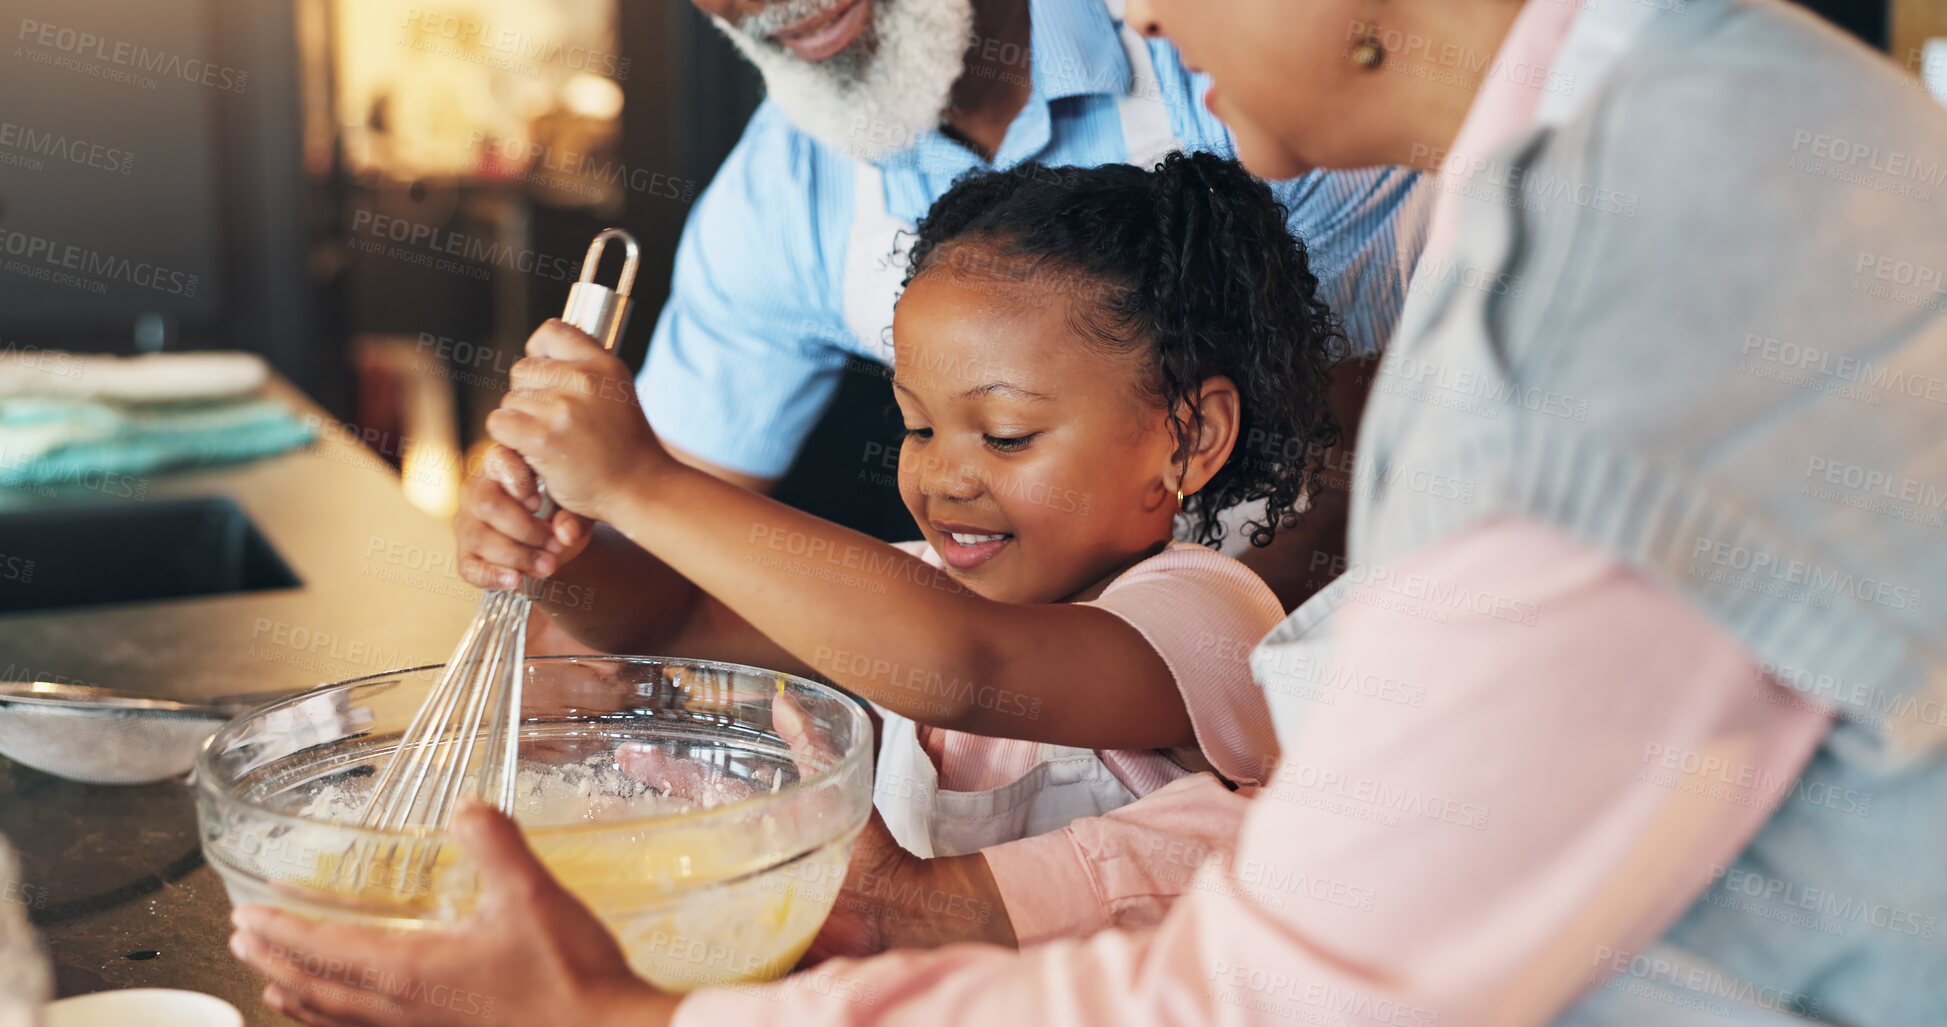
[473,705]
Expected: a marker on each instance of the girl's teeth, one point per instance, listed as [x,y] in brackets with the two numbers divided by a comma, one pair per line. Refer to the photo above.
[974,540]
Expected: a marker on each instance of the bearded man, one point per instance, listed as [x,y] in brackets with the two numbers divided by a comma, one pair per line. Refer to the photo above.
[789,265]
[786,273]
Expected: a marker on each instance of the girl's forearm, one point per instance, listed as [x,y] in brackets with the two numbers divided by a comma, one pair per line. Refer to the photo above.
[857,610]
[899,631]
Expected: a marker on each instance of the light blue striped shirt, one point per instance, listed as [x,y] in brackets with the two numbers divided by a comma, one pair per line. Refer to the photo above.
[754,338]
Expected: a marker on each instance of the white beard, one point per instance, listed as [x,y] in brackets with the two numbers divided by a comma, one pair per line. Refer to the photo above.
[871,105]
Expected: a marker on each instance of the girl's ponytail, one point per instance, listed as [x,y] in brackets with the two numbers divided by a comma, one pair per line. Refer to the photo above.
[1233,294]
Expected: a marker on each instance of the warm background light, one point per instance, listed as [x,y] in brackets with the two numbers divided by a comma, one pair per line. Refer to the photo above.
[421,87]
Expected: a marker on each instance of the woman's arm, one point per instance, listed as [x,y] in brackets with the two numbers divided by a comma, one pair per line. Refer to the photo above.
[1123,869]
[1485,859]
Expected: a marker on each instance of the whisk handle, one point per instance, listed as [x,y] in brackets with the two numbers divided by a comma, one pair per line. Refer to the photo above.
[601,312]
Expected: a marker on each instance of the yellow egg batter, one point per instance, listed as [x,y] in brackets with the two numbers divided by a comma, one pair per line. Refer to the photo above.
[691,906]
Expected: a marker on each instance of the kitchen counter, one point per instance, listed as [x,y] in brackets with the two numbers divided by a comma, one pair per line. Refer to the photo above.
[113,875]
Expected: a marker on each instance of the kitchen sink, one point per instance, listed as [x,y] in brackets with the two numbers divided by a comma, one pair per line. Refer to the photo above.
[133,552]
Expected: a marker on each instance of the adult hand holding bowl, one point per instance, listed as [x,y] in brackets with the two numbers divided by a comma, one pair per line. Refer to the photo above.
[530,952]
[724,885]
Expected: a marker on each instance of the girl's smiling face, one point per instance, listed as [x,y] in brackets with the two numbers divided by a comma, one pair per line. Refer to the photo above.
[1034,462]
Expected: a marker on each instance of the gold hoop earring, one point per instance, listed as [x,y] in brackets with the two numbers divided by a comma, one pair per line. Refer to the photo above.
[1371,51]
[1179,500]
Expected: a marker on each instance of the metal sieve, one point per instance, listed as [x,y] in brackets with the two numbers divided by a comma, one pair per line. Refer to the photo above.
[104,736]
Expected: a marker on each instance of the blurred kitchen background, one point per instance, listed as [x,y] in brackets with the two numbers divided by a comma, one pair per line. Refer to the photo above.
[281,171]
[384,198]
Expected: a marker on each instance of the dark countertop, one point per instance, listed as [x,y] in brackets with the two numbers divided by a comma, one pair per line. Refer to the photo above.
[117,883]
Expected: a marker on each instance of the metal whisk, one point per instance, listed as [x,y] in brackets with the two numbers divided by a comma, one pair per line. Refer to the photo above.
[475,703]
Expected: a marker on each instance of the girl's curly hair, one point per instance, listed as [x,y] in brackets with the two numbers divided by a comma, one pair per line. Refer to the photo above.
[1191,261]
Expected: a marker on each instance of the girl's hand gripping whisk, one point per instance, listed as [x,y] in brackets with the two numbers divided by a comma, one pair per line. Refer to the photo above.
[465,738]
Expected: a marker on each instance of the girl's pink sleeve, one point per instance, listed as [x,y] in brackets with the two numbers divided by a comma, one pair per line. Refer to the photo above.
[1125,868]
[1202,612]
[1482,857]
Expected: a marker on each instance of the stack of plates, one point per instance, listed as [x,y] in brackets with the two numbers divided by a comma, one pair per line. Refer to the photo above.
[151,1007]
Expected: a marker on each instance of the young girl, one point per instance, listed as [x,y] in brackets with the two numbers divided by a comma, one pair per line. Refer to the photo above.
[1084,358]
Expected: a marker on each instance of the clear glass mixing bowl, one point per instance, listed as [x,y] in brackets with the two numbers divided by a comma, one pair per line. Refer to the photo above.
[657,790]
